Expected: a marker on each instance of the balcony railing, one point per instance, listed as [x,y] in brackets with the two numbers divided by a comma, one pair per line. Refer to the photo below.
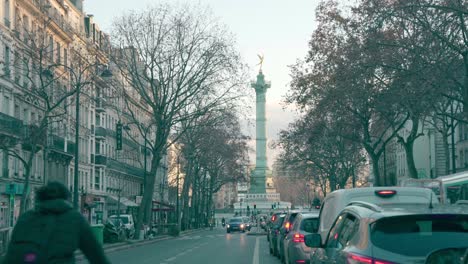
[10,125]
[100,159]
[100,132]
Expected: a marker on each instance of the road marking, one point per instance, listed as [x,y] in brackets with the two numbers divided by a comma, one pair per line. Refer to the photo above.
[171,259]
[256,257]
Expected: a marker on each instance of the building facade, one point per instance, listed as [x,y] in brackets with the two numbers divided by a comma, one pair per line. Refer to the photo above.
[111,174]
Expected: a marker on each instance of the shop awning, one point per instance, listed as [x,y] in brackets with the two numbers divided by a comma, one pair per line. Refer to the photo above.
[113,200]
[160,206]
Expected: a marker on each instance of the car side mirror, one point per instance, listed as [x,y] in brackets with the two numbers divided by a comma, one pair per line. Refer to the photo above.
[313,240]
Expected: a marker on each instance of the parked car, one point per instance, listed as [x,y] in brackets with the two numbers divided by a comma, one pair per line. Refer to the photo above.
[236,224]
[336,201]
[270,222]
[274,233]
[283,231]
[127,220]
[369,233]
[295,249]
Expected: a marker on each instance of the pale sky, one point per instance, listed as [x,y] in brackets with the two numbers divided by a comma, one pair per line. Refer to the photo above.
[278,29]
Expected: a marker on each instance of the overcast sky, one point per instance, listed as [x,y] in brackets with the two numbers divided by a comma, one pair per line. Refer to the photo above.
[278,29]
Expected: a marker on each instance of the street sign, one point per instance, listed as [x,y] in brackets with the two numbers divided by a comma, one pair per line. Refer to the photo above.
[118,133]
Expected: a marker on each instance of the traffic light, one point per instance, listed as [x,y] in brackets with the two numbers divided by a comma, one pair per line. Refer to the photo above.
[255,207]
[248,208]
[118,133]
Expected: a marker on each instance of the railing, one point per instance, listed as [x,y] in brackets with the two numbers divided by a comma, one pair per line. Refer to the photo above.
[10,125]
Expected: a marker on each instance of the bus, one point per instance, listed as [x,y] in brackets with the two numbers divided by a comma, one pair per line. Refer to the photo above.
[449,189]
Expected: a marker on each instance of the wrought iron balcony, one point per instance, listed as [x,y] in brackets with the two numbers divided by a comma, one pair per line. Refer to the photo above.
[100,159]
[10,125]
[100,132]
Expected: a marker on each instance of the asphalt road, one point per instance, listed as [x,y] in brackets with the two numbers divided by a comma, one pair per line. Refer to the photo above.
[213,246]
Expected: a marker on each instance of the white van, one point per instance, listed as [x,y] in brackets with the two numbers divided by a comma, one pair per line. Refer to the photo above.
[336,201]
[127,220]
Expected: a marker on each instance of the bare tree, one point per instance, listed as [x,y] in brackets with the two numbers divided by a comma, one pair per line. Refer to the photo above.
[181,63]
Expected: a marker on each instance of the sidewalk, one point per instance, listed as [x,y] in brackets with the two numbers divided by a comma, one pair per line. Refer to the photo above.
[132,243]
[136,243]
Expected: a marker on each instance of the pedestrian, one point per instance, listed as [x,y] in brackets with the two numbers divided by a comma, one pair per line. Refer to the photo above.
[52,231]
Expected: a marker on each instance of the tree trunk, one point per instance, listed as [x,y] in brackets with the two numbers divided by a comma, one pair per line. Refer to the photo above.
[185,196]
[375,169]
[144,211]
[445,143]
[28,166]
[408,146]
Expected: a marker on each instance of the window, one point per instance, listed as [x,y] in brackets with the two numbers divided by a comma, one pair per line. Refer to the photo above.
[6,105]
[59,51]
[6,56]
[51,48]
[17,111]
[65,56]
[6,9]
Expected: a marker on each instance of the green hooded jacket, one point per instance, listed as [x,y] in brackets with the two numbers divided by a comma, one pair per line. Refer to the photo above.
[68,231]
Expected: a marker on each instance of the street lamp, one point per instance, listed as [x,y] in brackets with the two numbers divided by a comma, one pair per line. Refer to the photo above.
[106,73]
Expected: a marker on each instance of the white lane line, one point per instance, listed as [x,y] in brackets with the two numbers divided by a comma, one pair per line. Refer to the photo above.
[256,257]
[171,259]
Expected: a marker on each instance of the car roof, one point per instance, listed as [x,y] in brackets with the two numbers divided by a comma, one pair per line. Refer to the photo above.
[373,189]
[406,209]
[310,215]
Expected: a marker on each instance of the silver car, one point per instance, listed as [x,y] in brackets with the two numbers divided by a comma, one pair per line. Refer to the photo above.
[295,250]
[387,234]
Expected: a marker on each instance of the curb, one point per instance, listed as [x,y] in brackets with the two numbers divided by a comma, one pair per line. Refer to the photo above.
[127,245]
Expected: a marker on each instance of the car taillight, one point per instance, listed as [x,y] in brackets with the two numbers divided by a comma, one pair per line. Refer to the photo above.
[298,238]
[273,218]
[358,259]
[385,193]
[287,225]
[300,261]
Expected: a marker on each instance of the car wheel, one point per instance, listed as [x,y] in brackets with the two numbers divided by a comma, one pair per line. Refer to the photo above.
[271,250]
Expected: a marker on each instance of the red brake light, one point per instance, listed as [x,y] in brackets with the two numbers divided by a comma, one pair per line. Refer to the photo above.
[298,238]
[273,218]
[385,193]
[300,261]
[358,259]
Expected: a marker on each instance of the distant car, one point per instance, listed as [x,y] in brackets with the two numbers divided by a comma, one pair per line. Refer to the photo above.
[369,233]
[336,201]
[236,224]
[129,224]
[270,222]
[295,250]
[283,231]
[274,233]
[263,223]
[248,223]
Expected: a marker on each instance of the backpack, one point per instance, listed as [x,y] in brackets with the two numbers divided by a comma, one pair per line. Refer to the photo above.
[34,250]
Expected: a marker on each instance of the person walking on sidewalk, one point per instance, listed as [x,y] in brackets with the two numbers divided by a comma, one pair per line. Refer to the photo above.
[52,231]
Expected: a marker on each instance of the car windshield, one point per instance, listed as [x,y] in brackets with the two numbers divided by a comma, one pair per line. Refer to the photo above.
[123,218]
[235,220]
[420,235]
